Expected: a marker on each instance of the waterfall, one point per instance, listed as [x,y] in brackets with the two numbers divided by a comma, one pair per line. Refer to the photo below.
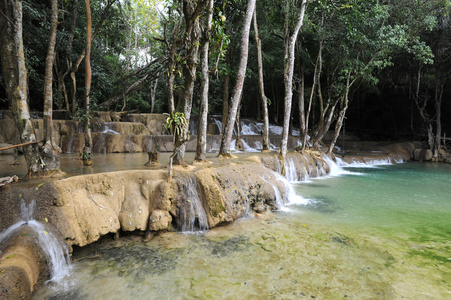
[279,200]
[246,209]
[192,215]
[56,251]
[290,170]
[248,148]
[251,128]
[289,196]
[107,128]
[219,124]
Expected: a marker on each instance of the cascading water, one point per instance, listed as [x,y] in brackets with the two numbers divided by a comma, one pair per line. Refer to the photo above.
[289,196]
[290,171]
[248,148]
[219,124]
[56,251]
[107,128]
[251,128]
[193,216]
[279,199]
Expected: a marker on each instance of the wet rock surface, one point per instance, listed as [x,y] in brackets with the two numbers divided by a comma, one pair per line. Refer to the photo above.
[84,208]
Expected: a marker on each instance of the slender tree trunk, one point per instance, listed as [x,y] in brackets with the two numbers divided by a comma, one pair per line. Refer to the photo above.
[236,96]
[15,78]
[73,67]
[172,63]
[261,86]
[288,80]
[62,75]
[438,109]
[192,11]
[318,66]
[329,118]
[225,97]
[87,150]
[342,113]
[201,148]
[422,110]
[50,151]
[301,104]
[152,96]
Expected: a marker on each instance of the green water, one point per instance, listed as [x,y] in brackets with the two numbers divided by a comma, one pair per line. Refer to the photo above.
[382,234]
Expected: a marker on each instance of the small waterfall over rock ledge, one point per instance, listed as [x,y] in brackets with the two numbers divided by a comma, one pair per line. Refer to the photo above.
[192,213]
[56,251]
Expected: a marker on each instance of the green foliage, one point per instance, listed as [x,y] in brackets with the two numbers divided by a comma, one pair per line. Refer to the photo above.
[176,122]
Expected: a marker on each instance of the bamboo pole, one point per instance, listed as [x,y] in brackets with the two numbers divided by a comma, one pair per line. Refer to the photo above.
[19,145]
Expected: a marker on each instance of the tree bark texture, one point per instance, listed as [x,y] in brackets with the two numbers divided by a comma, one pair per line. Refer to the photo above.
[342,113]
[153,96]
[15,77]
[301,103]
[339,124]
[201,148]
[50,150]
[236,95]
[288,78]
[261,86]
[192,11]
[72,67]
[225,99]
[87,150]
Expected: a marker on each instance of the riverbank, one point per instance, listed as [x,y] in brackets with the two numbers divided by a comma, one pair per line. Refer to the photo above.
[81,209]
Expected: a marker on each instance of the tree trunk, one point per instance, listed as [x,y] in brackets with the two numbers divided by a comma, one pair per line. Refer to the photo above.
[342,113]
[192,11]
[341,117]
[50,151]
[318,66]
[15,77]
[62,75]
[301,102]
[329,118]
[87,150]
[236,96]
[290,44]
[201,148]
[225,98]
[261,86]
[438,109]
[73,67]
[422,110]
[152,96]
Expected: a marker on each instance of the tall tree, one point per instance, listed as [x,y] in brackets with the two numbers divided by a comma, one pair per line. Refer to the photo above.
[201,148]
[16,80]
[291,36]
[87,150]
[192,11]
[50,151]
[237,91]
[261,85]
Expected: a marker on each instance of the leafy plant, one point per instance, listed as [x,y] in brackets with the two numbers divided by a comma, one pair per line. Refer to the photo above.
[176,122]
[87,156]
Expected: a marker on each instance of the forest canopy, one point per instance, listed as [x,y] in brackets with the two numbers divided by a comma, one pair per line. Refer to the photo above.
[381,66]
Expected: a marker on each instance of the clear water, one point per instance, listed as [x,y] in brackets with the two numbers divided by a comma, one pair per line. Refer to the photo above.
[373,233]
